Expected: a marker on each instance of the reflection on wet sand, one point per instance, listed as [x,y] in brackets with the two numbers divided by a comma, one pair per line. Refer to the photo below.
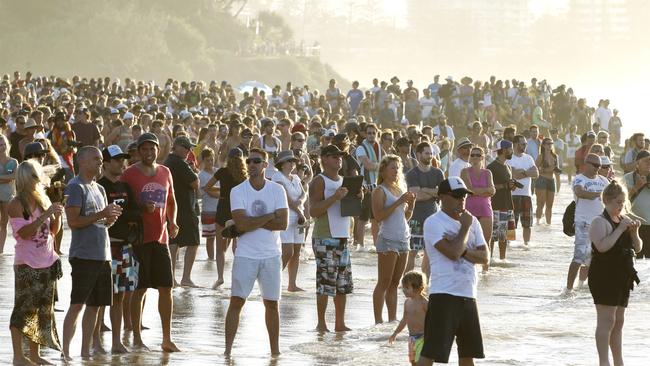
[524,320]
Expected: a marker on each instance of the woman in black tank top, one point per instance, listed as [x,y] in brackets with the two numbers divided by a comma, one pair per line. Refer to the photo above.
[614,240]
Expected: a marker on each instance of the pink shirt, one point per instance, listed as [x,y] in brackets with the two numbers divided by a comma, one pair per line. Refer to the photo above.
[36,251]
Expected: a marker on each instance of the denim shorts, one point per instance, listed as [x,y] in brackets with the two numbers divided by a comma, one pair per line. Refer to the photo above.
[387,245]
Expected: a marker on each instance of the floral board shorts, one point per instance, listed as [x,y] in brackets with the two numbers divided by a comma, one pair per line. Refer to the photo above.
[333,266]
[417,235]
[124,268]
[500,220]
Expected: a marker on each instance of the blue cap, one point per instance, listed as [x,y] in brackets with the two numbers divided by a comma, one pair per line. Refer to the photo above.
[504,144]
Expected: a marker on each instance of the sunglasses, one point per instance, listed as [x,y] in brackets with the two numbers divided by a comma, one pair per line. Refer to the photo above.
[254,161]
[476,155]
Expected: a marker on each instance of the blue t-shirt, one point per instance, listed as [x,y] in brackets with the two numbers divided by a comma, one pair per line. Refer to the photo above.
[355,96]
[92,241]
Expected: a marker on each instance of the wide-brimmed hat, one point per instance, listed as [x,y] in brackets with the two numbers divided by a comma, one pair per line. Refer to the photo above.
[33,148]
[285,156]
[462,142]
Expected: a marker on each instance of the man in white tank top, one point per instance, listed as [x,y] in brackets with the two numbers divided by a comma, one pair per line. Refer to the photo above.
[330,238]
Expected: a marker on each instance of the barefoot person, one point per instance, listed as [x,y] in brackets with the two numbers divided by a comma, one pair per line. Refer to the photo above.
[330,239]
[587,188]
[455,244]
[392,207]
[260,212]
[415,311]
[186,183]
[153,190]
[548,182]
[124,233]
[294,237]
[34,221]
[479,180]
[88,214]
[615,240]
[502,209]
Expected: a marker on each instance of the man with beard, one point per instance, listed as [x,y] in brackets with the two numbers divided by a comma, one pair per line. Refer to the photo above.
[423,180]
[153,189]
[502,207]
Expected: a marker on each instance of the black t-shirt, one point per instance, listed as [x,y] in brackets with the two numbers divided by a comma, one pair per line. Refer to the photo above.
[120,193]
[14,140]
[431,179]
[349,167]
[226,184]
[182,176]
[501,174]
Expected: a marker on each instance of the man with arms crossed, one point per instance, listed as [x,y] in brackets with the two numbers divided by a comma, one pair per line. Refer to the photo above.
[454,243]
[153,189]
[259,211]
[330,238]
[89,215]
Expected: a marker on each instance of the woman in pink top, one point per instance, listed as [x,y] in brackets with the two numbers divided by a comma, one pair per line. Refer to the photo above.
[34,221]
[479,180]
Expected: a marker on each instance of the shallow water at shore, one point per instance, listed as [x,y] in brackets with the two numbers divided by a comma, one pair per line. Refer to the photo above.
[524,320]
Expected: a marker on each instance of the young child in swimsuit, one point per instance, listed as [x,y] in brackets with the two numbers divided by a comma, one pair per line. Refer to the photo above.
[415,311]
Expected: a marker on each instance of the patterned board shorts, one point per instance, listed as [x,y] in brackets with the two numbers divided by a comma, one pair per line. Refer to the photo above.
[333,266]
[208,224]
[124,268]
[523,210]
[500,220]
[582,249]
[417,235]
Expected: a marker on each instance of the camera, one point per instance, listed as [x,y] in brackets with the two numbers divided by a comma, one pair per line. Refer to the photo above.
[517,184]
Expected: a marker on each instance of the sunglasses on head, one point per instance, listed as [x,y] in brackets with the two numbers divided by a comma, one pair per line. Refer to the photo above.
[254,161]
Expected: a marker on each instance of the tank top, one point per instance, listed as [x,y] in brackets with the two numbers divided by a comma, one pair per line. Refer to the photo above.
[332,225]
[477,205]
[394,227]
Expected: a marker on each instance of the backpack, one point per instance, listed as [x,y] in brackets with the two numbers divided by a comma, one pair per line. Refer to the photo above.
[568,219]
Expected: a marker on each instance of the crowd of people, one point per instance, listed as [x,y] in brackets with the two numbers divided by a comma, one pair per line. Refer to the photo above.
[141,170]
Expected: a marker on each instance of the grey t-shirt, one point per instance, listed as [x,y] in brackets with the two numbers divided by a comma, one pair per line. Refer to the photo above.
[90,242]
[430,179]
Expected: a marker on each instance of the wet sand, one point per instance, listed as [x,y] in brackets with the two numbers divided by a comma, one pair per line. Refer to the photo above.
[524,320]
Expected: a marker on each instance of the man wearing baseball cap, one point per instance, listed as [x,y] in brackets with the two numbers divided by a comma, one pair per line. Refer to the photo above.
[123,264]
[185,185]
[502,207]
[152,186]
[454,244]
[463,148]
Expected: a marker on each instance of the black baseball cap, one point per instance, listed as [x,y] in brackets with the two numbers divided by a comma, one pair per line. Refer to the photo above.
[148,137]
[454,186]
[332,150]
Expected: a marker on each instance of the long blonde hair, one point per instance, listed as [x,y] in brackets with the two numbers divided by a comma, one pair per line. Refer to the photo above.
[387,159]
[29,176]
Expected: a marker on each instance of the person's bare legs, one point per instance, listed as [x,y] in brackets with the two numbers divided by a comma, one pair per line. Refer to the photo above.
[465,362]
[97,345]
[35,354]
[220,255]
[292,265]
[272,318]
[550,198]
[503,247]
[116,323]
[287,253]
[4,219]
[165,308]
[321,308]
[17,344]
[173,252]
[486,227]
[606,317]
[339,309]
[190,256]
[616,337]
[391,291]
[571,276]
[69,328]
[210,247]
[386,262]
[136,317]
[526,235]
[232,321]
[88,323]
[584,273]
[359,231]
[540,194]
[126,311]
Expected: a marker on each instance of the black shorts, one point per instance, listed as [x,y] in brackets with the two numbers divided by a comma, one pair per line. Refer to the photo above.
[450,317]
[366,208]
[92,283]
[155,265]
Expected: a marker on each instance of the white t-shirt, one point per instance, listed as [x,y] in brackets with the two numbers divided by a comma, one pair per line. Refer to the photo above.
[259,243]
[457,166]
[293,188]
[524,162]
[458,277]
[572,145]
[603,115]
[208,203]
[586,209]
[427,105]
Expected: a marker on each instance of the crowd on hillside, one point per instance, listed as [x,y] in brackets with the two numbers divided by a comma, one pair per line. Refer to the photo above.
[142,169]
